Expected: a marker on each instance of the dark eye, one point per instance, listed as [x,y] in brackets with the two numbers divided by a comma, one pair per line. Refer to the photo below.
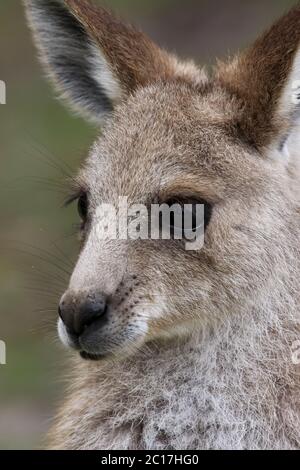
[83,206]
[189,215]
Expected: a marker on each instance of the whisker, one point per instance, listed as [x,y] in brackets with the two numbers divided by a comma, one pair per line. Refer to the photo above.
[57,164]
[65,257]
[48,254]
[45,260]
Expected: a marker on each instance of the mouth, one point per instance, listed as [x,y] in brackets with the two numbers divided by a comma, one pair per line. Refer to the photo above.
[91,357]
[74,343]
[91,347]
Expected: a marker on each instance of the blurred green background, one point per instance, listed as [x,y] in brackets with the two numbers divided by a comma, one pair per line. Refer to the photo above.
[40,145]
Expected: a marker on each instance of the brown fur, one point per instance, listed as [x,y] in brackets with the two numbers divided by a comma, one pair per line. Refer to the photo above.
[136,60]
[258,75]
[197,348]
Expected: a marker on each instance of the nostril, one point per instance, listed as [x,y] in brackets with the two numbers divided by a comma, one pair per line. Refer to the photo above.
[91,310]
[94,305]
[95,312]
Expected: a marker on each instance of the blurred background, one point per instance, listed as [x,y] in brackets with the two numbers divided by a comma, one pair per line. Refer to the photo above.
[41,144]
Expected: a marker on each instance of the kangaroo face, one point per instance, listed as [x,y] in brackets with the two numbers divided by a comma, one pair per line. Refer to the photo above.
[155,288]
[171,133]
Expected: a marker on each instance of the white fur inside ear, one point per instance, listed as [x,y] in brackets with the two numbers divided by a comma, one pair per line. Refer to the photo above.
[103,75]
[73,61]
[292,144]
[290,99]
[296,92]
[288,152]
[289,112]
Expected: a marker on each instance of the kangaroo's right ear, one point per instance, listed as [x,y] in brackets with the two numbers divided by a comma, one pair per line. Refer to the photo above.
[94,58]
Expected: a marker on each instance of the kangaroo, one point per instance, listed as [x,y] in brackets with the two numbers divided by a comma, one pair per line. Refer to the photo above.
[177,349]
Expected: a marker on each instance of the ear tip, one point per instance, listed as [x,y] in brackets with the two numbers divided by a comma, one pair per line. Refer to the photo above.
[33,4]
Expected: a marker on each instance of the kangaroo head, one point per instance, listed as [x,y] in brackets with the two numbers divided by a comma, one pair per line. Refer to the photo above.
[170,132]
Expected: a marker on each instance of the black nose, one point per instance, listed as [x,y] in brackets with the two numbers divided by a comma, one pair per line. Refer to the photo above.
[78,311]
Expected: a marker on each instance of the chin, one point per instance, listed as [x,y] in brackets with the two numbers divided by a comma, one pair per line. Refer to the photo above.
[94,346]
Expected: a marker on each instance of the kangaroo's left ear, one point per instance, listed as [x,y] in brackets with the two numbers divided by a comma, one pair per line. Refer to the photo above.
[95,59]
[266,80]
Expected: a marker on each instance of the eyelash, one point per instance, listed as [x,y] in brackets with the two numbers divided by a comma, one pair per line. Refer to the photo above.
[81,198]
[72,198]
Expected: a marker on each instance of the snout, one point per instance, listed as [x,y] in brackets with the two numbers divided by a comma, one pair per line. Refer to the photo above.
[98,325]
